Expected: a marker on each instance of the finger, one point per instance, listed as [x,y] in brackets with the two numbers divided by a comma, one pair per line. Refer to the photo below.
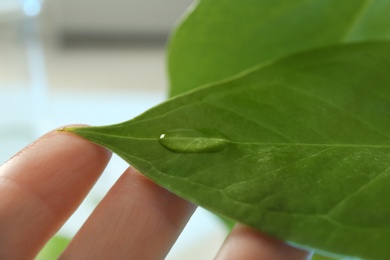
[246,243]
[136,220]
[41,186]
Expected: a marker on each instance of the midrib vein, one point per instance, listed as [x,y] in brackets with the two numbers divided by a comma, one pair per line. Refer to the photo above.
[332,145]
[316,145]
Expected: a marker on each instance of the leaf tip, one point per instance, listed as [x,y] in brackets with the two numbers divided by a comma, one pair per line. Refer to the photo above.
[70,129]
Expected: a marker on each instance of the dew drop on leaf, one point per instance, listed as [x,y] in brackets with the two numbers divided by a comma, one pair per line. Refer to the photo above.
[194,141]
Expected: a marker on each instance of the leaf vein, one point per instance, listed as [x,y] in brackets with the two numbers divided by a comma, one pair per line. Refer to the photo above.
[373,146]
[294,118]
[355,193]
[251,120]
[341,109]
[280,168]
[366,4]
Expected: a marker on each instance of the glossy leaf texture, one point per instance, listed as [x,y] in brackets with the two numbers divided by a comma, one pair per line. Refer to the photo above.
[299,149]
[221,38]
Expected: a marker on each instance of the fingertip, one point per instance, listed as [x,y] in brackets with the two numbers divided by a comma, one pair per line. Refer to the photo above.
[68,132]
[246,243]
[68,139]
[42,185]
[135,212]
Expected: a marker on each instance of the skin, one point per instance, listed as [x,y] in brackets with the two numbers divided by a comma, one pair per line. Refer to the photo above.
[43,184]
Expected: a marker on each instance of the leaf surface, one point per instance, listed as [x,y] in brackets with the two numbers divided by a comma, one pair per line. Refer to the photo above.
[299,149]
[221,38]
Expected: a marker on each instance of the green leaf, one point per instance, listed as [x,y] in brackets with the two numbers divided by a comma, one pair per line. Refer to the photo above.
[53,249]
[299,149]
[221,38]
[321,257]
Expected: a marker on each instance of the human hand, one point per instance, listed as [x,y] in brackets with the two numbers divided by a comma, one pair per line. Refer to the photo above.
[43,184]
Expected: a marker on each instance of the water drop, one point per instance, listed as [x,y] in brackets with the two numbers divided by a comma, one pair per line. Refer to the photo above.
[194,141]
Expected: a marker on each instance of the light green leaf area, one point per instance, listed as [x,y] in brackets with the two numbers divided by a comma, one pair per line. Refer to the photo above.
[321,257]
[221,38]
[299,149]
[53,249]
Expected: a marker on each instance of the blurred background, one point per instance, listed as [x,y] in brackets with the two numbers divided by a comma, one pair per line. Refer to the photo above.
[94,62]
